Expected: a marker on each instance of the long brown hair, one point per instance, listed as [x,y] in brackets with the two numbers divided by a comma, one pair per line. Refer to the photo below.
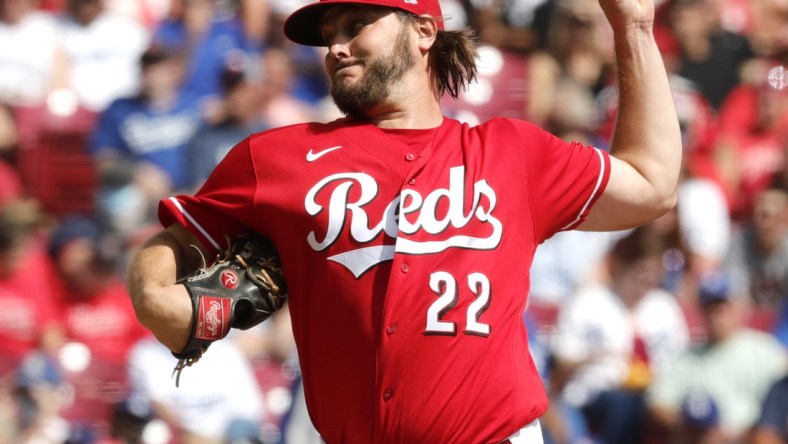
[452,58]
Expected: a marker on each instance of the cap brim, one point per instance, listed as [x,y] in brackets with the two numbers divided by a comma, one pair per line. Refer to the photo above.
[302,26]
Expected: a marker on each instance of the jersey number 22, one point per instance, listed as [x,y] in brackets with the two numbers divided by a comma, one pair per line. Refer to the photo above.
[444,285]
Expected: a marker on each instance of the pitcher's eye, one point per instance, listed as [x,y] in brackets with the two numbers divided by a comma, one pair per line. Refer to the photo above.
[356,26]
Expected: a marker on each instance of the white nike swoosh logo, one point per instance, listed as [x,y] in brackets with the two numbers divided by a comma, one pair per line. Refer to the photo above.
[312,156]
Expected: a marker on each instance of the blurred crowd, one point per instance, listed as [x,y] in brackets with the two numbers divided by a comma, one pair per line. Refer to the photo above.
[675,332]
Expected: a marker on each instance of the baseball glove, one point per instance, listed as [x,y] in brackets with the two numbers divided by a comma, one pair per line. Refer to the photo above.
[242,289]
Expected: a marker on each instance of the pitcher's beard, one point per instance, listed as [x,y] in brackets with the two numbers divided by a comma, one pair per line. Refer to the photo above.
[374,86]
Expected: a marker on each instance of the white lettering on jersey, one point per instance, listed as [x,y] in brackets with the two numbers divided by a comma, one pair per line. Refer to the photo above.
[395,218]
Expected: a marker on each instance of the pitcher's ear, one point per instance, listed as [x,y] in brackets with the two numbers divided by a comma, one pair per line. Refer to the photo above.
[427,27]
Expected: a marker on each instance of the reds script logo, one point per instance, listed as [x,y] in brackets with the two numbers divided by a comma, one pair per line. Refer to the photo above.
[409,202]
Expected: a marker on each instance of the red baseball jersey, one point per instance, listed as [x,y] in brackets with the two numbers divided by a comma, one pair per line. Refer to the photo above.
[407,254]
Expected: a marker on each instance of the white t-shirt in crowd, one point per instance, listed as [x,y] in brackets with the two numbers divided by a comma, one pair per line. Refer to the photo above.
[595,325]
[215,391]
[27,59]
[103,58]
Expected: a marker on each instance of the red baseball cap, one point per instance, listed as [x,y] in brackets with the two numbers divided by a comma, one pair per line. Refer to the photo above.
[302,25]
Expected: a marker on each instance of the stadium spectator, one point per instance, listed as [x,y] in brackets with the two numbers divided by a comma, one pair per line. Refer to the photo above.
[217,400]
[705,238]
[563,265]
[612,339]
[39,395]
[28,53]
[767,32]
[697,119]
[206,33]
[241,116]
[256,22]
[734,365]
[511,84]
[710,56]
[101,51]
[96,309]
[140,143]
[758,260]
[578,41]
[280,105]
[99,324]
[309,83]
[506,25]
[515,79]
[754,118]
[706,226]
[28,287]
[148,13]
[581,43]
[749,151]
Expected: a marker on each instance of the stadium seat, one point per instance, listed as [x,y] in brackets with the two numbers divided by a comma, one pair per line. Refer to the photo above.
[53,160]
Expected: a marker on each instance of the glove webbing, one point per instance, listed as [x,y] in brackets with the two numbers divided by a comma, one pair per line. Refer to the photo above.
[266,277]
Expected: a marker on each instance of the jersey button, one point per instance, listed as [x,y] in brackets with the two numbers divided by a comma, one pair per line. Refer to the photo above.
[404,268]
[410,157]
[388,394]
[391,329]
[412,182]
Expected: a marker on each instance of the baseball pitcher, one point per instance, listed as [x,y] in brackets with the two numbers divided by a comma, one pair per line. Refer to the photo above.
[400,238]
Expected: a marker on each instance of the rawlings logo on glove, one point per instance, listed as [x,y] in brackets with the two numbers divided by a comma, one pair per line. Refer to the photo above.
[242,289]
[213,323]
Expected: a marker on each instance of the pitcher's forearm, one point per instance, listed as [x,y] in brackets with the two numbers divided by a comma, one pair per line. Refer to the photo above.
[647,134]
[160,305]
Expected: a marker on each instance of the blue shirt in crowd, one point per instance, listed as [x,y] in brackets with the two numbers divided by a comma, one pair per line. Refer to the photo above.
[133,128]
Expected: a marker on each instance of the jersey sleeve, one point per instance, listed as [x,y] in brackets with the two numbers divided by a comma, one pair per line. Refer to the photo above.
[218,210]
[563,179]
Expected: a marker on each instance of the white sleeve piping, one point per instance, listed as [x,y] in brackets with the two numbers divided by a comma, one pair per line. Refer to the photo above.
[195,223]
[594,192]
